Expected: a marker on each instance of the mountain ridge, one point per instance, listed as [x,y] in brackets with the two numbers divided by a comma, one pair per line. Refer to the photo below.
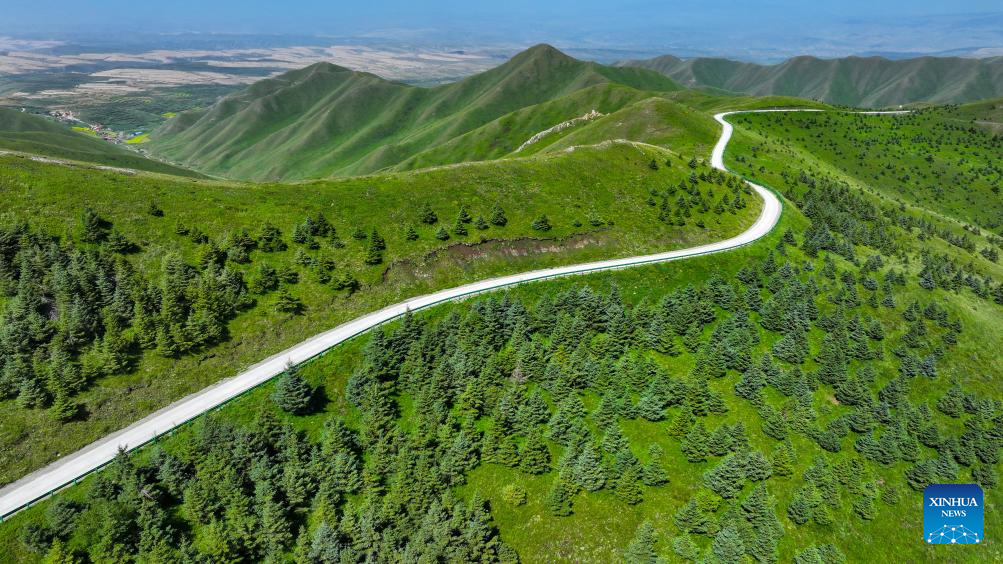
[324,120]
[871,81]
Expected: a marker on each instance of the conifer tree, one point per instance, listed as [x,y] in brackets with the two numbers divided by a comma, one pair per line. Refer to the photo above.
[728,547]
[460,228]
[684,547]
[726,479]
[653,473]
[694,444]
[373,255]
[719,443]
[292,393]
[426,215]
[588,469]
[92,226]
[628,487]
[757,466]
[541,223]
[287,303]
[800,508]
[783,459]
[411,234]
[498,216]
[535,456]
[641,550]
[559,498]
[682,423]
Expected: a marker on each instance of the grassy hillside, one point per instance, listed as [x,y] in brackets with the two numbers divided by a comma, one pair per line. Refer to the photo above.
[326,120]
[757,404]
[626,113]
[987,115]
[933,158]
[167,304]
[873,82]
[37,135]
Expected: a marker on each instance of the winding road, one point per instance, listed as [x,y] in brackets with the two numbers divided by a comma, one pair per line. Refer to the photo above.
[67,470]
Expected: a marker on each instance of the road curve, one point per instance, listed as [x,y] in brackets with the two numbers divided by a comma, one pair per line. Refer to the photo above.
[68,469]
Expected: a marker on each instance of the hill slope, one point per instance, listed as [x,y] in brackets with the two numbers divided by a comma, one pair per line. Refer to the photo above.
[326,120]
[27,133]
[852,81]
[266,242]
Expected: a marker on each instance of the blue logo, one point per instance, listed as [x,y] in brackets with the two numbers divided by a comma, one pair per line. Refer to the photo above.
[952,514]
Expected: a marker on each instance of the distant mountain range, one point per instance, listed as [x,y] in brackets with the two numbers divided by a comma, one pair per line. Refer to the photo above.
[325,120]
[872,82]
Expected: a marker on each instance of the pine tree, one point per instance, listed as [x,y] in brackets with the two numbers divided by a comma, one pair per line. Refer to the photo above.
[750,384]
[373,255]
[682,423]
[481,224]
[800,508]
[411,234]
[726,479]
[541,223]
[588,470]
[92,227]
[426,215]
[651,406]
[793,347]
[441,234]
[288,303]
[728,546]
[292,393]
[694,444]
[783,459]
[720,441]
[507,452]
[951,402]
[653,473]
[685,548]
[641,550]
[628,488]
[535,456]
[64,408]
[757,467]
[498,216]
[559,498]
[59,553]
[377,241]
[460,227]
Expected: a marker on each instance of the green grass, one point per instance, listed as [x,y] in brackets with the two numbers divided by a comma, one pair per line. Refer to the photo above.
[616,178]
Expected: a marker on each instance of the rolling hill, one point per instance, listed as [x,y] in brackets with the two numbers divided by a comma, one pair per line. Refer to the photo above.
[326,120]
[852,81]
[27,133]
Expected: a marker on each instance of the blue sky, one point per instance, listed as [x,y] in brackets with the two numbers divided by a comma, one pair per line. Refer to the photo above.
[729,26]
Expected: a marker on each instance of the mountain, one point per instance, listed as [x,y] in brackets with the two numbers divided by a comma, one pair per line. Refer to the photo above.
[28,133]
[325,120]
[852,81]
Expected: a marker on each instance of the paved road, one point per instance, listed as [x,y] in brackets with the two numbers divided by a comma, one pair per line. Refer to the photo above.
[64,471]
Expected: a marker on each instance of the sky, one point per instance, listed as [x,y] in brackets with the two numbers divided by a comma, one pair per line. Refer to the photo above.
[724,27]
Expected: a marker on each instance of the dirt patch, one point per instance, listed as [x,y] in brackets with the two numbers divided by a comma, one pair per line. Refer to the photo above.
[460,254]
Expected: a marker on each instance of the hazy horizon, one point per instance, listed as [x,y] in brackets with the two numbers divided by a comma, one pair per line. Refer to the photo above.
[774,30]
